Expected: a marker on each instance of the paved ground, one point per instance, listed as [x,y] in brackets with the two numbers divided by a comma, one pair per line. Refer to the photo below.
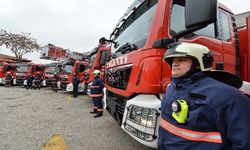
[29,118]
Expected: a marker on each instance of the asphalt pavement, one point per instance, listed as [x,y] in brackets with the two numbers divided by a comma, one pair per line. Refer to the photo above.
[29,119]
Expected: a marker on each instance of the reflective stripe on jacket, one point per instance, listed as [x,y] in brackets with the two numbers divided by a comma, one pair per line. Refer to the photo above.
[190,134]
[97,87]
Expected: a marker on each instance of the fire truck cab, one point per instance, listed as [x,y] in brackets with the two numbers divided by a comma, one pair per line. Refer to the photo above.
[51,70]
[4,68]
[23,70]
[68,69]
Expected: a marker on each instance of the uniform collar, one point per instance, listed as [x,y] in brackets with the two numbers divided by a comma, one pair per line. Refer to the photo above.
[187,80]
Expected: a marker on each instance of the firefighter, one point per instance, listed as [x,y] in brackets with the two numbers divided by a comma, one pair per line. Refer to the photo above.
[75,83]
[102,41]
[37,81]
[29,80]
[96,92]
[54,81]
[8,79]
[197,111]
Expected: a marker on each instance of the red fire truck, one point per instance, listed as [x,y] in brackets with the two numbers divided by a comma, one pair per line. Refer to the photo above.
[51,70]
[53,52]
[23,70]
[97,60]
[4,68]
[66,76]
[136,77]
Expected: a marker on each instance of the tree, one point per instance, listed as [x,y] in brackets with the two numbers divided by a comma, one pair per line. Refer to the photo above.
[19,44]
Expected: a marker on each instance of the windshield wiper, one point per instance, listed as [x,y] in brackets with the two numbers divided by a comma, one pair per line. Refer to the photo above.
[128,47]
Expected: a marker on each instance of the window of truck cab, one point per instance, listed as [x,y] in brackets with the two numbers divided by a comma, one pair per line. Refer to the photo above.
[177,22]
[224,25]
[136,27]
[22,68]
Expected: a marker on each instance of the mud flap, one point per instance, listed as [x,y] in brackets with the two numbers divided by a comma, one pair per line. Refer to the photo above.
[25,82]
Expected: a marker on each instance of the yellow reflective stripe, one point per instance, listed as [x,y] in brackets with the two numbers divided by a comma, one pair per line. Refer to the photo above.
[190,134]
[95,95]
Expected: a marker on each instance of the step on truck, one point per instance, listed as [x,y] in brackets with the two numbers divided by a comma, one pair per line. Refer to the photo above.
[136,77]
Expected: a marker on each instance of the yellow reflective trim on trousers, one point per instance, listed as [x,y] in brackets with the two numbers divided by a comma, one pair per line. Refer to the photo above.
[214,137]
[56,142]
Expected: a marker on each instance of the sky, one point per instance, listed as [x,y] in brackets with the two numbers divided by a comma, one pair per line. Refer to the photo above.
[71,24]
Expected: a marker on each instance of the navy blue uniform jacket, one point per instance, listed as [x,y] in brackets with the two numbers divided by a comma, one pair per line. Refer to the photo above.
[218,117]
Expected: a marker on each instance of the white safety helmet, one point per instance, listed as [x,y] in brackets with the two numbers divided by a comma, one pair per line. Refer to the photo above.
[199,52]
[96,72]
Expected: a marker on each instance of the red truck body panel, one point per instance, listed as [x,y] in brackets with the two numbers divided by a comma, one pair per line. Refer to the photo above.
[244,39]
[95,64]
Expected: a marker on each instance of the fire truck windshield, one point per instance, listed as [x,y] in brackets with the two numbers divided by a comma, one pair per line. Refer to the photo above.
[67,69]
[22,68]
[8,67]
[135,29]
[37,68]
[51,69]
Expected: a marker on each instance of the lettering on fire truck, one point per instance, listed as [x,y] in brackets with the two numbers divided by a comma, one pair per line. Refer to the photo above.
[118,61]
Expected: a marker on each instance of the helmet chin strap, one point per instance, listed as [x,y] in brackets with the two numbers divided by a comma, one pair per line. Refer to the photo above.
[194,68]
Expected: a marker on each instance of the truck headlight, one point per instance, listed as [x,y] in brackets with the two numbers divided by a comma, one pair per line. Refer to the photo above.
[143,116]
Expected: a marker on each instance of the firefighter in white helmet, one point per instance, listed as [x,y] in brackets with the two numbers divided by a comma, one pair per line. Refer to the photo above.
[96,92]
[197,111]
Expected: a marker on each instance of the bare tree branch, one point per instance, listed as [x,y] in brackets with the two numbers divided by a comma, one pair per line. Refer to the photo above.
[19,43]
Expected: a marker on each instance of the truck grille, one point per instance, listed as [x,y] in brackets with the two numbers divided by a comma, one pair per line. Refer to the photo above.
[118,77]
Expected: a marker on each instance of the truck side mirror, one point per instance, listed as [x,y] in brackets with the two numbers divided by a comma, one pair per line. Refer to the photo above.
[200,12]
